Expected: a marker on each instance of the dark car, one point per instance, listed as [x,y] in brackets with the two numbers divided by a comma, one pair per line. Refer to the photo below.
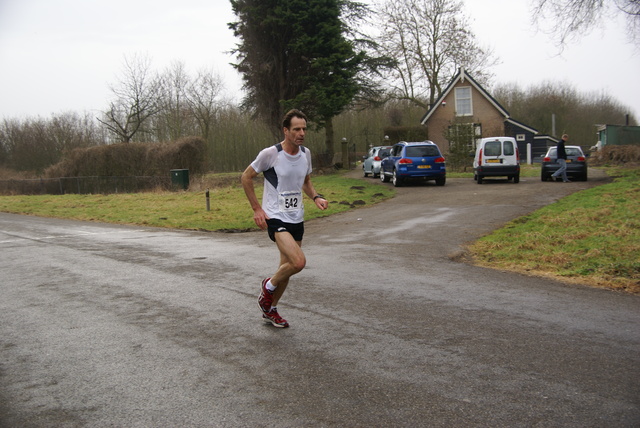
[371,164]
[576,163]
[420,160]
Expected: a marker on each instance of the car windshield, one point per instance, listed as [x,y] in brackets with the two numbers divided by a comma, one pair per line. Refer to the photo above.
[421,151]
[571,151]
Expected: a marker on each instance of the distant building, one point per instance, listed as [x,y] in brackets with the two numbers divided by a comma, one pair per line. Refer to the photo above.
[466,108]
[618,135]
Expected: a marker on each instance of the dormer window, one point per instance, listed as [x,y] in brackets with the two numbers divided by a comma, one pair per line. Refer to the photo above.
[463,101]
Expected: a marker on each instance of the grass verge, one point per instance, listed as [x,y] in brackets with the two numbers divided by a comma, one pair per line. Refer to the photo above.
[592,236]
[229,209]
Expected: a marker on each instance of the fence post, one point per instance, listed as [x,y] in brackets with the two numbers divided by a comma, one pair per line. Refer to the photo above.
[345,153]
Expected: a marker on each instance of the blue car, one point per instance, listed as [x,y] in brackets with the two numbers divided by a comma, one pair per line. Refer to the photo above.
[406,161]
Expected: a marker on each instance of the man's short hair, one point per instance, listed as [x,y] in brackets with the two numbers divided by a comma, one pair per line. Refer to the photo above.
[286,122]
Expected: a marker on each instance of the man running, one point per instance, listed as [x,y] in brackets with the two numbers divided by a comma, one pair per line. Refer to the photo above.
[286,167]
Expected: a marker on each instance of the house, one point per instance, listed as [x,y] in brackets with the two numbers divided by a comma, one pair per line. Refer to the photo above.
[540,145]
[466,111]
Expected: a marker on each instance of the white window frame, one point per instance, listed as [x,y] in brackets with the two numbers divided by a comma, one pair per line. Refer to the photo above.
[458,128]
[460,97]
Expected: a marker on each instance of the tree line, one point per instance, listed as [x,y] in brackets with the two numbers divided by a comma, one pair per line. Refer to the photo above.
[354,70]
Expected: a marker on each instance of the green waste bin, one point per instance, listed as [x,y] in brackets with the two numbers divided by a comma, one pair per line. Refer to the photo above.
[180,179]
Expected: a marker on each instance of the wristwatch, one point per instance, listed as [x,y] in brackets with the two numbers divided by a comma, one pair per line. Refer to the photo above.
[318,196]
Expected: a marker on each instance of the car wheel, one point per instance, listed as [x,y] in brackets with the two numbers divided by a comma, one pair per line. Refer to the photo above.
[397,181]
[544,177]
[366,174]
[516,178]
[440,181]
[583,177]
[383,177]
[479,179]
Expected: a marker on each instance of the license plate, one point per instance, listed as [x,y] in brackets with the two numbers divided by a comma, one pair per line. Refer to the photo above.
[493,160]
[568,160]
[424,166]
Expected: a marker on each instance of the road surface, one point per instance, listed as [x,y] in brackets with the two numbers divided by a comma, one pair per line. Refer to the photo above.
[124,326]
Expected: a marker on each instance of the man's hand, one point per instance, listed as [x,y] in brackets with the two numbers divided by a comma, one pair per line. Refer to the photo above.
[321,203]
[260,217]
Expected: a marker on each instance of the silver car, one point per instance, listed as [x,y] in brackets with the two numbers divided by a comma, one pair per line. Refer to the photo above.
[371,164]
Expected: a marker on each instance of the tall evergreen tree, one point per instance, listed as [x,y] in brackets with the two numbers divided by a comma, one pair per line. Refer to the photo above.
[294,53]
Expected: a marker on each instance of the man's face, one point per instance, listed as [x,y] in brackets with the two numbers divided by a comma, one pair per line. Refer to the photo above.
[297,130]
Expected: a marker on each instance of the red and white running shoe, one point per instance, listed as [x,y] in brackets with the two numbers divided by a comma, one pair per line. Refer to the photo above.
[275,319]
[266,297]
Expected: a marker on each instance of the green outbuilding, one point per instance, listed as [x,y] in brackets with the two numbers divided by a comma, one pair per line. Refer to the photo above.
[618,135]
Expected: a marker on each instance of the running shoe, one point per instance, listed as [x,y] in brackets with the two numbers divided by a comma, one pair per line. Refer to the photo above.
[266,297]
[275,319]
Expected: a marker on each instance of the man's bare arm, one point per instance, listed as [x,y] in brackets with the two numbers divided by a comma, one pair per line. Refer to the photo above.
[259,216]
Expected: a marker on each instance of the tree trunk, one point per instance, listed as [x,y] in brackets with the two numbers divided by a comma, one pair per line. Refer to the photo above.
[328,139]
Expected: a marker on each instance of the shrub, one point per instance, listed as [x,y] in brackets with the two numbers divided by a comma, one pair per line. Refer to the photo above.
[133,159]
[616,155]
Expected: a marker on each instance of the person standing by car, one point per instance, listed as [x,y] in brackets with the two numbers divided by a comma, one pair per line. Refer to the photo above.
[562,160]
[286,167]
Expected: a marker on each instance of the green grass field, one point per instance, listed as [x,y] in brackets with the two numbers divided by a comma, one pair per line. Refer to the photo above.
[229,209]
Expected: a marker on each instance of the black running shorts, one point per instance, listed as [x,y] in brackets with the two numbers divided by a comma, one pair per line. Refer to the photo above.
[275,226]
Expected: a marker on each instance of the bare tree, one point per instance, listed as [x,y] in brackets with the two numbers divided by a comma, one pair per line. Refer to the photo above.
[574,18]
[136,99]
[429,40]
[574,112]
[204,97]
[33,144]
[173,116]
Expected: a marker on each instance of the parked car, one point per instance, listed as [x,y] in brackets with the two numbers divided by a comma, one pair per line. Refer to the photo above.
[496,157]
[420,160]
[576,163]
[372,160]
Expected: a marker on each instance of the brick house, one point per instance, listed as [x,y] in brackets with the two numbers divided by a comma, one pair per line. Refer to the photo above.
[466,109]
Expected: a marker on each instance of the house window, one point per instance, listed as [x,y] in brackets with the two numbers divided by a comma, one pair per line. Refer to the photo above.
[463,101]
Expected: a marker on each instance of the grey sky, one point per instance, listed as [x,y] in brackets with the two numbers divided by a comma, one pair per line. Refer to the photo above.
[62,55]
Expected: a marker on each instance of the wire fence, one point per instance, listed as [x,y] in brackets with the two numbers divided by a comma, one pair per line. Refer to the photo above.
[347,158]
[85,185]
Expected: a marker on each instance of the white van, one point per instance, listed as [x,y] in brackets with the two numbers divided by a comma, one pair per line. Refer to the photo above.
[496,157]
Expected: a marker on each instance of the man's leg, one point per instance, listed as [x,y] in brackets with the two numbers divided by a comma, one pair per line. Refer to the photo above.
[564,172]
[292,261]
[561,168]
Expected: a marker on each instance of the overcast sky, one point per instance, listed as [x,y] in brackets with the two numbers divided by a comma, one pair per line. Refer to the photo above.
[62,55]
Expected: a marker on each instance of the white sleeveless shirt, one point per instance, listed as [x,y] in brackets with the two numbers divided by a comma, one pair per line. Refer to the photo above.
[284,176]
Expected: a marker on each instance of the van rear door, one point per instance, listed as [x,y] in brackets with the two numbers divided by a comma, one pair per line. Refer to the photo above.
[492,153]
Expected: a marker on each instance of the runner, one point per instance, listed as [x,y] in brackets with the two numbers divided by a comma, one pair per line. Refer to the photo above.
[286,167]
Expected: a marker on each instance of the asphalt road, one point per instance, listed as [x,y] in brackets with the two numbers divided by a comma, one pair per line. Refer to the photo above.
[116,326]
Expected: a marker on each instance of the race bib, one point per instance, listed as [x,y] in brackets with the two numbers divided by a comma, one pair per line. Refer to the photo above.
[290,201]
